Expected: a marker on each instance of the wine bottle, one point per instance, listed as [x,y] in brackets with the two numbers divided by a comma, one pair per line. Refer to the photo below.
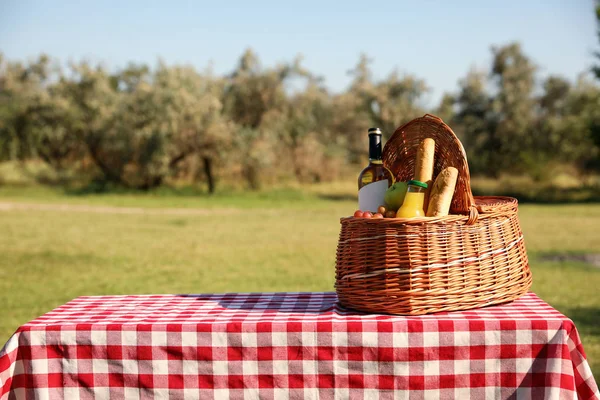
[375,179]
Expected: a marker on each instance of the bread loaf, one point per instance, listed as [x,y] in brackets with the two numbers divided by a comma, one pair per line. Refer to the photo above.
[441,193]
[424,166]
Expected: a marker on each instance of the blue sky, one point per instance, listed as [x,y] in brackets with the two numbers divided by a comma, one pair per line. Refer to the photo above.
[435,40]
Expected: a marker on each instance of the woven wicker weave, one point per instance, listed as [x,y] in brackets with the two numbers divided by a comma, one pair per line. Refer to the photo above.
[417,266]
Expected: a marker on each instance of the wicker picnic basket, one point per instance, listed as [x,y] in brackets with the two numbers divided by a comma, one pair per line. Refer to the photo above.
[471,259]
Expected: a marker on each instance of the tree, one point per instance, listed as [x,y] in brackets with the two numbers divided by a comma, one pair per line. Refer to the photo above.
[512,110]
[254,99]
[254,153]
[253,91]
[172,115]
[550,133]
[350,118]
[305,132]
[386,104]
[594,127]
[472,124]
[189,119]
[389,102]
[580,127]
[93,101]
[21,86]
[397,100]
[50,121]
[349,125]
[445,110]
[362,82]
[140,127]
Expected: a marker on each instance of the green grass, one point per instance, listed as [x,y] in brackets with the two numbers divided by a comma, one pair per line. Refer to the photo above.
[285,197]
[281,240]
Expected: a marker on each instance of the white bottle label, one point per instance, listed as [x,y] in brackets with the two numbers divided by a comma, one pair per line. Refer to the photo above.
[371,196]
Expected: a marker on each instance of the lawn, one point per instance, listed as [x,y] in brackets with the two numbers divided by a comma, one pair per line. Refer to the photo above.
[281,240]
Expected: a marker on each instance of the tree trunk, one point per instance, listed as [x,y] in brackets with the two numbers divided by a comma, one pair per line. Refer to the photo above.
[151,182]
[252,177]
[207,162]
[109,174]
[176,160]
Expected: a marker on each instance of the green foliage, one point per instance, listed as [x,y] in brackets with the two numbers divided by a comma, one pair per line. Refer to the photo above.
[471,122]
[512,109]
[139,126]
[508,129]
[390,102]
[22,89]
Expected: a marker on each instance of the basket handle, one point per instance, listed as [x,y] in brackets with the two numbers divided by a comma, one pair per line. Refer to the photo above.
[399,154]
[433,117]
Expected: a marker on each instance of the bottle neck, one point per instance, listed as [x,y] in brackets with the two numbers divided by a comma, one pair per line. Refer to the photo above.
[375,149]
[415,189]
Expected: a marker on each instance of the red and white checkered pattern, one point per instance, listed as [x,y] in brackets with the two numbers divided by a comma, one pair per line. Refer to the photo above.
[291,346]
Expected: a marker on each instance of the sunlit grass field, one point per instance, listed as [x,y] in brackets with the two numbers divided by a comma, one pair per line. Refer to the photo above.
[279,240]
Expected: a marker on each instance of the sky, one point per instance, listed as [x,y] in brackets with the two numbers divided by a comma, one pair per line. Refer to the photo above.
[437,41]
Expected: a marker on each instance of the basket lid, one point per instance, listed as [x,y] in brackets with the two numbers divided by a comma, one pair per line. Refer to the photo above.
[399,154]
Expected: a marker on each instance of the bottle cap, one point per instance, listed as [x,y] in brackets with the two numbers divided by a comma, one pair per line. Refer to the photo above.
[418,183]
[374,131]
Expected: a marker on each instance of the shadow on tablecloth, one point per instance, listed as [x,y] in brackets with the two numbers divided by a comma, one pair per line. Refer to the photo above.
[296,303]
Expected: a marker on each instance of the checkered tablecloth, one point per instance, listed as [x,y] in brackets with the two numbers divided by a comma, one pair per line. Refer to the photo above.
[291,346]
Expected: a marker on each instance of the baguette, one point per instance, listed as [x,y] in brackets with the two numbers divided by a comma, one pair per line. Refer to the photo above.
[442,192]
[424,165]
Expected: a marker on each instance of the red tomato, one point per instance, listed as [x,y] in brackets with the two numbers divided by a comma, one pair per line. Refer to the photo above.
[367,214]
[358,214]
[377,215]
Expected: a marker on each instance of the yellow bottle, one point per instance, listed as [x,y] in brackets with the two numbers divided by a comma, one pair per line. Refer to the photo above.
[413,201]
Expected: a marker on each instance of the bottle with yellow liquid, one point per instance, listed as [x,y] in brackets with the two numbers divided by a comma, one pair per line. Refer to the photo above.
[413,201]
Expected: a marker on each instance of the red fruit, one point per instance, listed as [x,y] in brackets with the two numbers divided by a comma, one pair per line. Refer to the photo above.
[358,214]
[377,215]
[367,214]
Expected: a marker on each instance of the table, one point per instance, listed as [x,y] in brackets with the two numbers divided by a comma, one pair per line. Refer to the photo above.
[291,345]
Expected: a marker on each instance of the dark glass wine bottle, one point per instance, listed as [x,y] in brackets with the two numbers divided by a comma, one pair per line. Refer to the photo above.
[375,179]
